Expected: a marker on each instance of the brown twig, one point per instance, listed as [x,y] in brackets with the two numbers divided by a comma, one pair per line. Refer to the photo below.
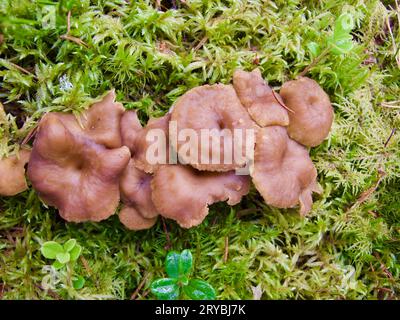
[29,136]
[374,214]
[385,270]
[381,175]
[366,194]
[68,37]
[226,251]
[390,137]
[391,104]
[314,62]
[74,39]
[372,267]
[145,293]
[141,284]
[168,245]
[52,293]
[23,70]
[282,104]
[201,43]
[68,21]
[85,264]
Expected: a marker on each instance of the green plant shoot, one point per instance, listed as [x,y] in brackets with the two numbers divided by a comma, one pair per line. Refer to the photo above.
[178,267]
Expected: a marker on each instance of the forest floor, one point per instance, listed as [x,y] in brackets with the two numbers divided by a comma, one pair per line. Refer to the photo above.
[152,52]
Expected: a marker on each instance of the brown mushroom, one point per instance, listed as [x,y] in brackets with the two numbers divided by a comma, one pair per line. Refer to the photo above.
[101,122]
[75,174]
[138,212]
[264,106]
[138,140]
[12,173]
[216,108]
[313,113]
[133,220]
[183,193]
[283,172]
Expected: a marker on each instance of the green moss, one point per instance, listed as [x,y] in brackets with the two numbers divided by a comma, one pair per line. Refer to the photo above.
[346,248]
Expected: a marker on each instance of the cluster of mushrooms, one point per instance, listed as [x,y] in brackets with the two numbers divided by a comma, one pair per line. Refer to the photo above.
[84,166]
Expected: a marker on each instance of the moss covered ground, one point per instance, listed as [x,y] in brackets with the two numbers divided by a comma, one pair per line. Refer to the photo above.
[152,52]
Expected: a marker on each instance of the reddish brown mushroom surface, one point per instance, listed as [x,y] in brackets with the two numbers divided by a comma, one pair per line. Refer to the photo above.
[216,108]
[75,174]
[313,113]
[100,123]
[140,140]
[283,172]
[12,173]
[133,220]
[264,106]
[139,211]
[183,193]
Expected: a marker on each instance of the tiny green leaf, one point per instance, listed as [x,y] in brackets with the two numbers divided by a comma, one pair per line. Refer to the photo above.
[199,290]
[165,289]
[314,49]
[78,282]
[75,252]
[184,280]
[341,46]
[57,265]
[69,245]
[344,23]
[50,249]
[172,264]
[185,262]
[63,257]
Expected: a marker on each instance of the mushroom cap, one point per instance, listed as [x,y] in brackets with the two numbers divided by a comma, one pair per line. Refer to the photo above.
[133,220]
[75,174]
[12,173]
[283,172]
[218,108]
[101,122]
[134,137]
[183,193]
[136,191]
[313,113]
[259,99]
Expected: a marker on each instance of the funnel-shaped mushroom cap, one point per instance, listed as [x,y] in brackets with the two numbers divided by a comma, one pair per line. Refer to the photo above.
[283,172]
[139,140]
[183,194]
[75,174]
[12,173]
[259,99]
[133,220]
[136,195]
[313,113]
[101,122]
[215,108]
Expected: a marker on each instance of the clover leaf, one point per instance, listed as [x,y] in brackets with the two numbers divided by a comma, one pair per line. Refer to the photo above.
[50,249]
[63,255]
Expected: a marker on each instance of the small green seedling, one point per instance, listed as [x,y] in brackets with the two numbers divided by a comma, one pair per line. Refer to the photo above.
[341,41]
[178,267]
[63,255]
